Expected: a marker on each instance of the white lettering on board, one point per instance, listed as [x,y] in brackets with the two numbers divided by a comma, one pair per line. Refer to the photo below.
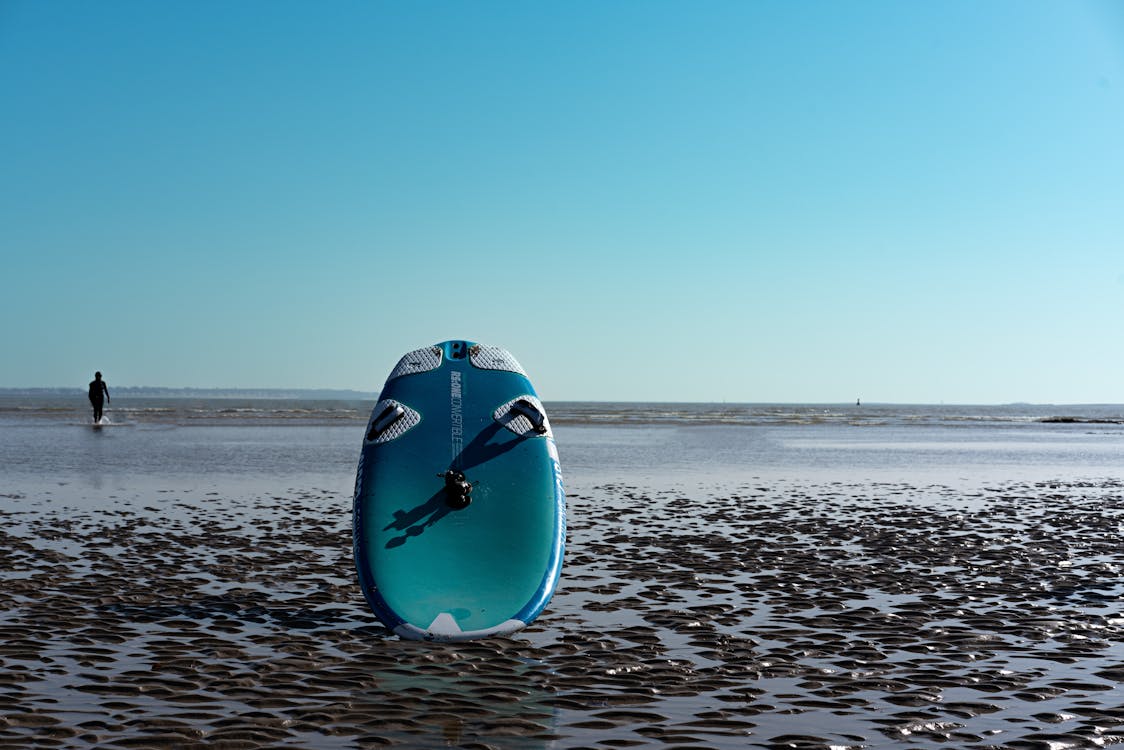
[456,414]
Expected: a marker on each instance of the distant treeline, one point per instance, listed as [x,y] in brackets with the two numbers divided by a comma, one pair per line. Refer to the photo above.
[145,391]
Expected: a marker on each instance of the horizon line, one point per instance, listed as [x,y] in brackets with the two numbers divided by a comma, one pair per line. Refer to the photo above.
[246,392]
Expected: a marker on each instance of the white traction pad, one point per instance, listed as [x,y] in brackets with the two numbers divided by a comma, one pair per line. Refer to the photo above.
[520,423]
[395,429]
[494,358]
[419,360]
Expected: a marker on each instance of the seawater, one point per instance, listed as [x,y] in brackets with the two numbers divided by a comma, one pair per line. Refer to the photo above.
[17,408]
[274,442]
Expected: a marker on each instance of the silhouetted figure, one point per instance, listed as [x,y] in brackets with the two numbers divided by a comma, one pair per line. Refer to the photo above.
[99,393]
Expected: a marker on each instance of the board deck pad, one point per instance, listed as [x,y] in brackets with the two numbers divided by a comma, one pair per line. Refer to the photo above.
[459,516]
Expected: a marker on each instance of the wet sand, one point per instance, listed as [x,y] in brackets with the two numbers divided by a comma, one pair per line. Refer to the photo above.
[768,614]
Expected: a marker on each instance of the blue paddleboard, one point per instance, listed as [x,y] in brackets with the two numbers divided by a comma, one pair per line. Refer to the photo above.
[459,518]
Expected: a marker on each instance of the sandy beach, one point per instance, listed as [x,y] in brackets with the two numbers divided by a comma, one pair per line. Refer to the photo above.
[773,614]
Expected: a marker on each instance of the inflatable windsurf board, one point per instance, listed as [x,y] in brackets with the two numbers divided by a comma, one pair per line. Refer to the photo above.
[459,515]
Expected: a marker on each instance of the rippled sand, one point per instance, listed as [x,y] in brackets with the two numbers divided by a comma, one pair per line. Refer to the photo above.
[773,615]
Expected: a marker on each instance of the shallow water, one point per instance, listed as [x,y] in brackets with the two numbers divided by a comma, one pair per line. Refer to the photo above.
[915,446]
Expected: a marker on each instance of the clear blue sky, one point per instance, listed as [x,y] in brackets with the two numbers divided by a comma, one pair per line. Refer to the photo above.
[742,201]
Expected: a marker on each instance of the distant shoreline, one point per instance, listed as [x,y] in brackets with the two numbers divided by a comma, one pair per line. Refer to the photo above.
[345,394]
[324,394]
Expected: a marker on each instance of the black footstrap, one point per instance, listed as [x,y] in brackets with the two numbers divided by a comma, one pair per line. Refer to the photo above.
[388,416]
[531,412]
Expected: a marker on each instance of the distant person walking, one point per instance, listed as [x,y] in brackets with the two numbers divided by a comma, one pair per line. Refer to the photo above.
[98,391]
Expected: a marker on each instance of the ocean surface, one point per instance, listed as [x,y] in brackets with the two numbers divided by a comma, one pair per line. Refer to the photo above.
[188,441]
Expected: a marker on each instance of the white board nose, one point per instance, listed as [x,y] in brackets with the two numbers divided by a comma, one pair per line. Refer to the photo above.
[444,624]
